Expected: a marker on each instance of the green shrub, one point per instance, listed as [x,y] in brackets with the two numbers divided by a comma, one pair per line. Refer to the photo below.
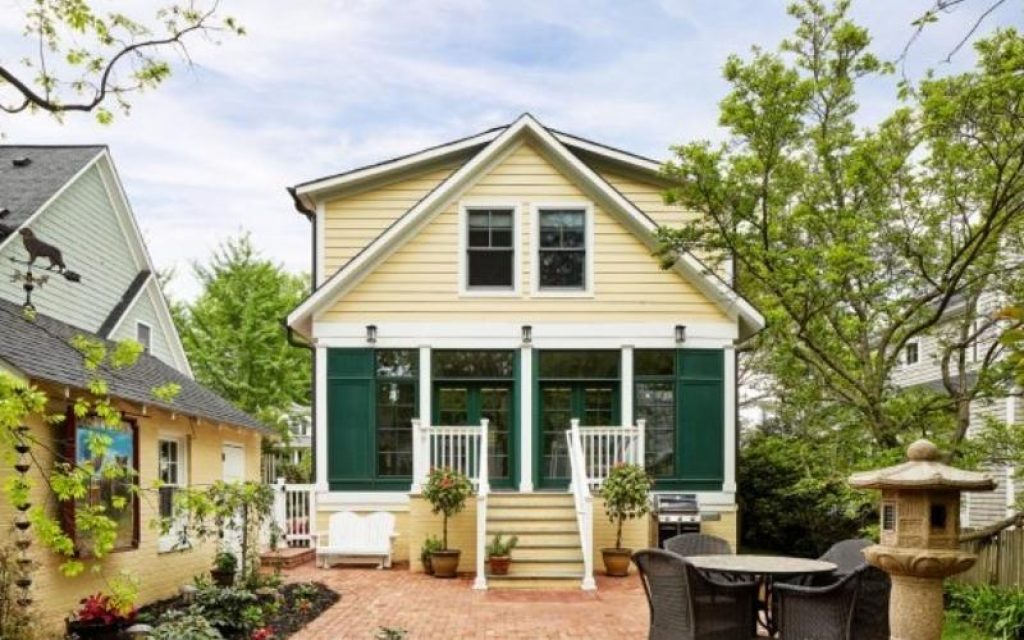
[995,610]
[227,607]
[447,491]
[430,545]
[178,625]
[793,500]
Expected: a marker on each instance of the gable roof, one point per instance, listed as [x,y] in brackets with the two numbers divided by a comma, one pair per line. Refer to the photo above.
[49,165]
[116,314]
[24,189]
[42,350]
[415,218]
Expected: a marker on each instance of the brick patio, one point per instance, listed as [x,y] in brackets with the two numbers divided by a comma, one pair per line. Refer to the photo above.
[429,608]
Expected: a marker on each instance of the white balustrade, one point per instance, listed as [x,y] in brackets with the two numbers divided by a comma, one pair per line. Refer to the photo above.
[605,447]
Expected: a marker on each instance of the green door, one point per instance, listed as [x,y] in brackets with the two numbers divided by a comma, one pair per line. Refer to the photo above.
[593,403]
[466,403]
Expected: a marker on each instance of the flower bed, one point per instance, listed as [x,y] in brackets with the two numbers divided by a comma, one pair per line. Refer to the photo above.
[269,613]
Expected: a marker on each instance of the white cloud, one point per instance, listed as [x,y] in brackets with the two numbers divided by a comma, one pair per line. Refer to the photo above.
[320,86]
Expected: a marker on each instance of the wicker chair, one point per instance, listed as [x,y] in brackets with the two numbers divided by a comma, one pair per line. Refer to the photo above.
[871,613]
[821,613]
[721,610]
[847,555]
[663,575]
[697,544]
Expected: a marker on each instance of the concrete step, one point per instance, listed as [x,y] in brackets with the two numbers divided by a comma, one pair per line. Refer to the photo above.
[537,580]
[530,500]
[501,514]
[544,539]
[519,526]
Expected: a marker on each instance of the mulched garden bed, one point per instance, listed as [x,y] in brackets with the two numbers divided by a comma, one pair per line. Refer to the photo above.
[288,620]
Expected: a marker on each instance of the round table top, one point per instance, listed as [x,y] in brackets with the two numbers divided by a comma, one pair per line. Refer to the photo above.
[760,565]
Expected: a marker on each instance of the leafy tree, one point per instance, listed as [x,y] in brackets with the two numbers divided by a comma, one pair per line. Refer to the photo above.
[233,331]
[856,242]
[80,59]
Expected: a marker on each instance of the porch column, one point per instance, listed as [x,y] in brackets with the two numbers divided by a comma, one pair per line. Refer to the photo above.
[320,396]
[729,391]
[526,419]
[420,454]
[626,393]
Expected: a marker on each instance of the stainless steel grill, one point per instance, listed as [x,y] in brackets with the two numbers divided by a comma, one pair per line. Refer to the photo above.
[676,513]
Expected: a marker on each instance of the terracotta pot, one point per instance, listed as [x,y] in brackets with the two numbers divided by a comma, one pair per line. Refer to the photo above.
[445,563]
[616,562]
[222,578]
[499,565]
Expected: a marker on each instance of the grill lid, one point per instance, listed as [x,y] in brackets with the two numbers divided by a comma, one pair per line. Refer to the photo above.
[675,503]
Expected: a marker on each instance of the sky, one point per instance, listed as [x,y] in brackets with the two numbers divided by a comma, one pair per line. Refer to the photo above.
[321,86]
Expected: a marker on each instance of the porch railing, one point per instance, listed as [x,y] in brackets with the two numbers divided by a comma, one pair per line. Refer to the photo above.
[464,449]
[295,513]
[593,451]
[604,447]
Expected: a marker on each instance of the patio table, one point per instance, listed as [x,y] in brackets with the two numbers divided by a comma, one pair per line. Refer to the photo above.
[765,569]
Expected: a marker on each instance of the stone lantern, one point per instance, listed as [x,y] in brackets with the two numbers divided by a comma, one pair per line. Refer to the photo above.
[919,535]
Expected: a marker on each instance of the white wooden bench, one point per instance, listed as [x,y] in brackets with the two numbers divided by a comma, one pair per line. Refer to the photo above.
[350,535]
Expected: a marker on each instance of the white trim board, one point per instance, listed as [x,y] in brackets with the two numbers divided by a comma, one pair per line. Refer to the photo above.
[451,188]
[513,330]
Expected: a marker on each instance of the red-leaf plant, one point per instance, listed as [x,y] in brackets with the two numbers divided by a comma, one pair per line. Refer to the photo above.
[99,608]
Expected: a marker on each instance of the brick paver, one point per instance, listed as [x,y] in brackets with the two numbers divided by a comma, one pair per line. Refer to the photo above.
[429,608]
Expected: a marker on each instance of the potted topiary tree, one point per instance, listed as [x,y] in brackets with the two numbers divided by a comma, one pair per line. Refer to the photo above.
[430,545]
[447,491]
[225,564]
[625,497]
[499,554]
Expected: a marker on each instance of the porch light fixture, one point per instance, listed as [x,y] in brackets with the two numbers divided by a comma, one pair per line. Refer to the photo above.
[371,333]
[680,333]
[527,334]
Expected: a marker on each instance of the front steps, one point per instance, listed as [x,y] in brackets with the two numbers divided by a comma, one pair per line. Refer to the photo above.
[548,555]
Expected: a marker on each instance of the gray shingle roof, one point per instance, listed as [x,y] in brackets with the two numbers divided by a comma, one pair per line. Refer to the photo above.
[23,189]
[42,350]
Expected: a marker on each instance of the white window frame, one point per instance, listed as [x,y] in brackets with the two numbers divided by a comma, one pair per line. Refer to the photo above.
[489,292]
[146,348]
[588,276]
[167,542]
[917,353]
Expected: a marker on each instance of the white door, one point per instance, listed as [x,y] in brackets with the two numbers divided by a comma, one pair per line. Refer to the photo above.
[233,457]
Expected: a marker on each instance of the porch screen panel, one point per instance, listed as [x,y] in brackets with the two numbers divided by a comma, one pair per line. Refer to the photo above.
[700,414]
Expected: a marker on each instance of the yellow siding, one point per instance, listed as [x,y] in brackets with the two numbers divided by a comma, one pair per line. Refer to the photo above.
[635,534]
[160,574]
[420,280]
[353,222]
[648,197]
[461,532]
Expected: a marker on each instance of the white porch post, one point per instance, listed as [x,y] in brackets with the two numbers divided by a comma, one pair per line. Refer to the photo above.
[626,394]
[420,444]
[320,394]
[526,420]
[729,480]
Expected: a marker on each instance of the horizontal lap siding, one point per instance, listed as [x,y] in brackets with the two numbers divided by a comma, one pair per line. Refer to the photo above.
[352,223]
[145,311]
[420,280]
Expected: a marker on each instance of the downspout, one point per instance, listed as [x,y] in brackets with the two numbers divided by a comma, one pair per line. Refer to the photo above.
[310,214]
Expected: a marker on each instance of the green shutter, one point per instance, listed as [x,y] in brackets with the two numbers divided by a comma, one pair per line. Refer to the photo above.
[700,418]
[350,420]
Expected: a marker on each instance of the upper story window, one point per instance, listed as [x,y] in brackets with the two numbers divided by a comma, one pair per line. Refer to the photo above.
[911,353]
[490,249]
[562,260]
[144,335]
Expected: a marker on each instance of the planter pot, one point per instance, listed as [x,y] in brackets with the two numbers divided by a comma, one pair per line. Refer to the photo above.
[499,565]
[445,563]
[95,630]
[616,562]
[222,578]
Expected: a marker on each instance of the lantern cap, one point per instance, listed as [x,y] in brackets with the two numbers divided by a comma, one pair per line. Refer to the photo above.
[922,471]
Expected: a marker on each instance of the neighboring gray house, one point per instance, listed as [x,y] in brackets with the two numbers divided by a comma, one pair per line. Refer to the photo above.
[71,197]
[921,366]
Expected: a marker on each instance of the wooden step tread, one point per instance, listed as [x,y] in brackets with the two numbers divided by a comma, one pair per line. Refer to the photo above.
[530,518]
[539,575]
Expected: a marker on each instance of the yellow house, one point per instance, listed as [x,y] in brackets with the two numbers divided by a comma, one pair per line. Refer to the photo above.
[503,284]
[71,198]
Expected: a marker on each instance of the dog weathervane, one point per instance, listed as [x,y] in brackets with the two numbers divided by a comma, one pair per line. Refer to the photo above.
[36,248]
